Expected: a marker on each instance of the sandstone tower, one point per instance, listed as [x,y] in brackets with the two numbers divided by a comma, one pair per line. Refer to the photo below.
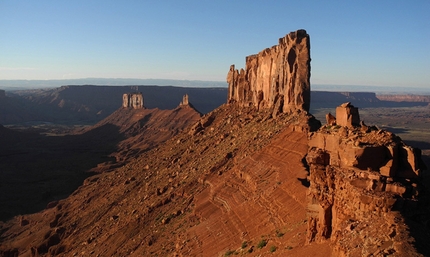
[184,100]
[277,77]
[132,100]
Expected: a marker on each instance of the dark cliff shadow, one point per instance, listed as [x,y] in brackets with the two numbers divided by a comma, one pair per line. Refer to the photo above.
[418,217]
[305,182]
[37,169]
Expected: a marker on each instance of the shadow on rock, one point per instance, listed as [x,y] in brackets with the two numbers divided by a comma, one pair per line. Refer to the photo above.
[43,169]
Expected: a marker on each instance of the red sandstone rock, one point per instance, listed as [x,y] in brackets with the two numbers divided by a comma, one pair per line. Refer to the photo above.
[277,76]
[347,115]
[330,119]
[356,179]
[184,100]
[133,100]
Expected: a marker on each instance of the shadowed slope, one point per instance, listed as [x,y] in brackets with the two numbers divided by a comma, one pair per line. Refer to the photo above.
[154,204]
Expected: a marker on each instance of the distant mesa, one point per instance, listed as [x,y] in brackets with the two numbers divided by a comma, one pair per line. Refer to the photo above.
[277,77]
[133,100]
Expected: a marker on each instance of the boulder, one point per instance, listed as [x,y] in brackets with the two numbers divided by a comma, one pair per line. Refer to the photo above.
[347,115]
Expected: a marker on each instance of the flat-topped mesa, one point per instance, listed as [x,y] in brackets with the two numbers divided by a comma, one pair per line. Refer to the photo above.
[133,100]
[277,77]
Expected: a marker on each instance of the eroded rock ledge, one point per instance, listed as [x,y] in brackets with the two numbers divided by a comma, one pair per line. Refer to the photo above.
[277,77]
[361,179]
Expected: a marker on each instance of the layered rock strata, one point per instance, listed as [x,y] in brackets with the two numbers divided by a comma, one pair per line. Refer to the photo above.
[132,100]
[277,77]
[359,178]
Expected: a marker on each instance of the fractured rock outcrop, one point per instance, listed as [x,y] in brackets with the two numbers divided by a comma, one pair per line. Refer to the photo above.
[347,115]
[277,77]
[132,100]
[357,177]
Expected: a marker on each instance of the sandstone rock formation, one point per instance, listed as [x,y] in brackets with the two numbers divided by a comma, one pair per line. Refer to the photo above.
[347,115]
[184,100]
[132,100]
[330,119]
[357,178]
[277,77]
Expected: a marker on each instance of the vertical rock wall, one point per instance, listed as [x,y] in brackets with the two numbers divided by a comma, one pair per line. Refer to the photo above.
[277,77]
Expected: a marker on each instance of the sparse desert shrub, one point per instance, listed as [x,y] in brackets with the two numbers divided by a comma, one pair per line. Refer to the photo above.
[261,244]
[229,252]
[272,248]
[279,233]
[289,247]
[244,244]
[251,249]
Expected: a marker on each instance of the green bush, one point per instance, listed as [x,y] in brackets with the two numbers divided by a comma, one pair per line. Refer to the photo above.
[261,244]
[244,244]
[272,248]
[279,233]
[229,252]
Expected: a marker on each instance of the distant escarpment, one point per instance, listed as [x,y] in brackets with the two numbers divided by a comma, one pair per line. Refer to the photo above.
[405,98]
[277,77]
[90,104]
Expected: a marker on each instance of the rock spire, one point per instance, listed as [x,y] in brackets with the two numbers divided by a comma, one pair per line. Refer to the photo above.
[277,77]
[132,100]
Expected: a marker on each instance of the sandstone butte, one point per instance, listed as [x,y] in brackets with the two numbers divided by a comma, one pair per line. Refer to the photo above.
[258,176]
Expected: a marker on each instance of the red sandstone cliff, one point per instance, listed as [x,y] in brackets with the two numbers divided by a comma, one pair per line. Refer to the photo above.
[277,77]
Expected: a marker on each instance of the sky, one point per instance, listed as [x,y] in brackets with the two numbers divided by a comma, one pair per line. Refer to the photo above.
[381,43]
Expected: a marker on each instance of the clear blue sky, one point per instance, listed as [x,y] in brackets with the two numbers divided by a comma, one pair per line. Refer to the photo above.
[384,43]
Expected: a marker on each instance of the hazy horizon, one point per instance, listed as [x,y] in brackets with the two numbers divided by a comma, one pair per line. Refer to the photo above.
[383,43]
[10,85]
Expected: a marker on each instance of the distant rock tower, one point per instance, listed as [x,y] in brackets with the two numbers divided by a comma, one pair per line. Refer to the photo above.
[132,100]
[184,100]
[277,77]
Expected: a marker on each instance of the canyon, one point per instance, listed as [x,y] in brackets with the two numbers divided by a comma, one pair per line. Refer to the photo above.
[257,176]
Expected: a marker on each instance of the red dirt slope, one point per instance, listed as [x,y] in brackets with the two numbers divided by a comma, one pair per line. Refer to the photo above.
[155,204]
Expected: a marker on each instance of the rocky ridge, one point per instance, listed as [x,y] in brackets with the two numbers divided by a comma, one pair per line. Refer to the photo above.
[361,180]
